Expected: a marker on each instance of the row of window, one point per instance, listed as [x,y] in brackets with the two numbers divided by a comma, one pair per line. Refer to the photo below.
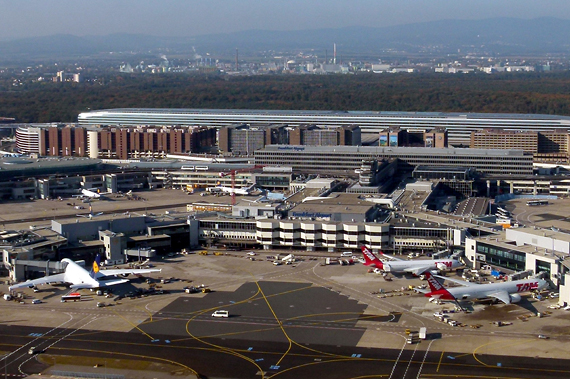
[493,251]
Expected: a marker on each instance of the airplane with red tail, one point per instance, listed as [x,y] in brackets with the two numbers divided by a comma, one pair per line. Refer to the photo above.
[411,267]
[507,292]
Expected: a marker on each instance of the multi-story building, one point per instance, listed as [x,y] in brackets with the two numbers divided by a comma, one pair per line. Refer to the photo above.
[505,139]
[398,137]
[245,139]
[547,146]
[241,139]
[312,135]
[122,143]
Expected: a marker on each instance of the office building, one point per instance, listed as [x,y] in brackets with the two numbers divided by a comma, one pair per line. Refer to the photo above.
[109,142]
[550,146]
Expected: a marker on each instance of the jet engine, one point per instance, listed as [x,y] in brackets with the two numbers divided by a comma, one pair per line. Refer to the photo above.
[441,267]
[515,298]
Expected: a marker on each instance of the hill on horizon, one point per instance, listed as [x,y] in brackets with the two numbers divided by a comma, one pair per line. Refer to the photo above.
[496,36]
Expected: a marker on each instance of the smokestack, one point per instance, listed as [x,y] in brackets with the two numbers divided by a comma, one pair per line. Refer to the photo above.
[326,56]
[334,54]
[237,65]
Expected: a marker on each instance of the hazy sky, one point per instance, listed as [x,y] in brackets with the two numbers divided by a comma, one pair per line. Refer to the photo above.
[27,18]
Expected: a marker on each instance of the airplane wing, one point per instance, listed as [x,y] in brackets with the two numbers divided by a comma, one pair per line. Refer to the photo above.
[58,278]
[106,283]
[501,295]
[417,270]
[390,257]
[460,282]
[126,271]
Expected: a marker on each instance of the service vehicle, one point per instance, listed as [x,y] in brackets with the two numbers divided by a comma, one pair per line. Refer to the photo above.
[221,313]
[423,333]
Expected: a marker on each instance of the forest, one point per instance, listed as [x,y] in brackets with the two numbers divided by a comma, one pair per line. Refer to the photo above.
[528,93]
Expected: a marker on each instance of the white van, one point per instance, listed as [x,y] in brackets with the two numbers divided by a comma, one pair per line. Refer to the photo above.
[346,254]
[221,313]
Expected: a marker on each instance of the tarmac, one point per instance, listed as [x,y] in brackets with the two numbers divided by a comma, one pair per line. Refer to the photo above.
[299,291]
[314,303]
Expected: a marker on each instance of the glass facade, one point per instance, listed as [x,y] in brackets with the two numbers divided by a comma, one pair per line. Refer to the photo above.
[506,258]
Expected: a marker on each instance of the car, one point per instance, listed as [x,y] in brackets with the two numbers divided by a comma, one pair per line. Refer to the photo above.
[36,301]
[100,305]
[221,313]
[277,263]
[440,315]
[34,350]
[543,337]
[251,254]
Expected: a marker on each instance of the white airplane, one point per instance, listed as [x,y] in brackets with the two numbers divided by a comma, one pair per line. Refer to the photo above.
[90,215]
[411,267]
[237,191]
[507,292]
[79,277]
[93,193]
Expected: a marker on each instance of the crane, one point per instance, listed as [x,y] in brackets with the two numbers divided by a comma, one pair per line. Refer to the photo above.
[232,174]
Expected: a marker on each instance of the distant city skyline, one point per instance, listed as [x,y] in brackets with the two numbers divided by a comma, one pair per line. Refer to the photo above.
[32,18]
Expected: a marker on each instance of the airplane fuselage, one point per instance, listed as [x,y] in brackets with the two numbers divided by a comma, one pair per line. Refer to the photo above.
[79,276]
[482,291]
[402,266]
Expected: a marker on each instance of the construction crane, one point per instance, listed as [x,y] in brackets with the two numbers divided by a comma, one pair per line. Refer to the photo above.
[232,174]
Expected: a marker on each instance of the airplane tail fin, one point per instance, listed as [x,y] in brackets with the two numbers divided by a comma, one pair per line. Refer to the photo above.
[437,289]
[96,265]
[370,259]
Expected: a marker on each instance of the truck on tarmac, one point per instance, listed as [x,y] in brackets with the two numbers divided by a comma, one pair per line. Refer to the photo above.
[423,333]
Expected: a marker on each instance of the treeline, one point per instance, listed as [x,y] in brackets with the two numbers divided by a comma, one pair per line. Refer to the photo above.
[546,93]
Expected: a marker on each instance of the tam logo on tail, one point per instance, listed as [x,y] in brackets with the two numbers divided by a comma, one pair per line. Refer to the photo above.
[434,285]
[370,258]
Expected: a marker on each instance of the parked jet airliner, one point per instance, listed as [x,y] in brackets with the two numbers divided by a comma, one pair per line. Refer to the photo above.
[79,277]
[507,292]
[412,267]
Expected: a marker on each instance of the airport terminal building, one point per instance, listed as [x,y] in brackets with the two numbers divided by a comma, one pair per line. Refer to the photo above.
[459,125]
[346,159]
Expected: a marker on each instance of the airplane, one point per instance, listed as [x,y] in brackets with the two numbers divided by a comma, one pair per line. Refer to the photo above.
[237,191]
[411,267]
[507,292]
[93,193]
[79,277]
[90,215]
